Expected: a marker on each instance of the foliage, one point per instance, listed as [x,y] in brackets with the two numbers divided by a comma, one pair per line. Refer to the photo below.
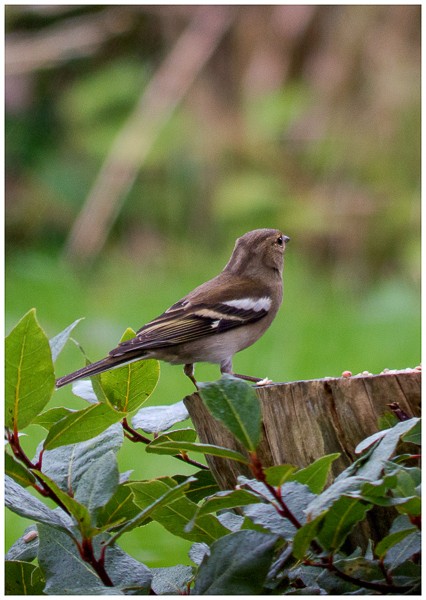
[290,534]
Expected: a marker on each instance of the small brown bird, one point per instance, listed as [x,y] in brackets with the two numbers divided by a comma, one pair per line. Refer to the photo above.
[217,319]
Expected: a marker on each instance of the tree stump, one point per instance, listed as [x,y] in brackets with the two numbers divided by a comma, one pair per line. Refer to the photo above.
[304,420]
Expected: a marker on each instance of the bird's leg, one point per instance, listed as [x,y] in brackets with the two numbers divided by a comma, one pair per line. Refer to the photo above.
[226,367]
[189,372]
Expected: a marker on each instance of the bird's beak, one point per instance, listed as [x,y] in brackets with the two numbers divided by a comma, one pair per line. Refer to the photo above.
[286,239]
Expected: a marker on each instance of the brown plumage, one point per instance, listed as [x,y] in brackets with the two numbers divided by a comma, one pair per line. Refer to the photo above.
[217,319]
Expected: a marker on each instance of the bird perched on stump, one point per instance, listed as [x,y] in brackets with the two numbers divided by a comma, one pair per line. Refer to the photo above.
[217,319]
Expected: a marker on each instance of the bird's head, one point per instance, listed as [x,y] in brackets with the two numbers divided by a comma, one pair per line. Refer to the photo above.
[257,251]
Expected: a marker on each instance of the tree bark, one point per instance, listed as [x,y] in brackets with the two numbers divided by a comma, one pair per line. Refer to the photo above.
[304,420]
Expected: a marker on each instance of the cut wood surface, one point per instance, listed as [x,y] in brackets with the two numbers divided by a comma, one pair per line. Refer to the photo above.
[303,420]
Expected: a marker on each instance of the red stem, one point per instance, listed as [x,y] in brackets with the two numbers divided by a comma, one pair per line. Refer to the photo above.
[282,508]
[88,555]
[369,585]
[42,488]
[135,436]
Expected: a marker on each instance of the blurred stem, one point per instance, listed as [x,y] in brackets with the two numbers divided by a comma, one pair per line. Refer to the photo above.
[130,148]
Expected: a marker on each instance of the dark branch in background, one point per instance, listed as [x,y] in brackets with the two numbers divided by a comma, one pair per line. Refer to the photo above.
[134,436]
[75,37]
[398,412]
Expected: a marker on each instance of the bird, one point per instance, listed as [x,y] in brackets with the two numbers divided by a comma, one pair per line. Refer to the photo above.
[215,320]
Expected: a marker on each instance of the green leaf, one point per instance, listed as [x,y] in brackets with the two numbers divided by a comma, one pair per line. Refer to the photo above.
[385,448]
[25,548]
[357,567]
[131,385]
[171,580]
[127,573]
[408,574]
[77,510]
[231,521]
[62,565]
[98,484]
[315,475]
[412,506]
[165,495]
[387,420]
[22,579]
[296,496]
[58,342]
[379,489]
[414,435]
[371,439]
[66,573]
[407,487]
[177,435]
[235,404]
[176,446]
[226,500]
[82,425]
[91,390]
[340,520]
[367,480]
[53,415]
[24,504]
[98,390]
[177,513]
[346,486]
[304,536]
[83,388]
[67,464]
[238,565]
[119,510]
[279,474]
[403,550]
[154,419]
[204,485]
[18,471]
[391,540]
[408,479]
[29,375]
[198,551]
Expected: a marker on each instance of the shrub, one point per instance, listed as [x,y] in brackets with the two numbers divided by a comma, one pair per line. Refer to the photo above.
[279,532]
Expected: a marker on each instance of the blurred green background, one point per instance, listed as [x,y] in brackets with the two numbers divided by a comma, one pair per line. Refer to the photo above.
[142,140]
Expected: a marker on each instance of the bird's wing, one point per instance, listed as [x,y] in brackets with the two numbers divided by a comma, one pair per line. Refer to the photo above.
[184,322]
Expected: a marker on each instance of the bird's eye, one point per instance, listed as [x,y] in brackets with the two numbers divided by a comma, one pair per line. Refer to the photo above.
[280,240]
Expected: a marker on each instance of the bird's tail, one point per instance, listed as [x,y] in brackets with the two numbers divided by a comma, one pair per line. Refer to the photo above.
[106,364]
